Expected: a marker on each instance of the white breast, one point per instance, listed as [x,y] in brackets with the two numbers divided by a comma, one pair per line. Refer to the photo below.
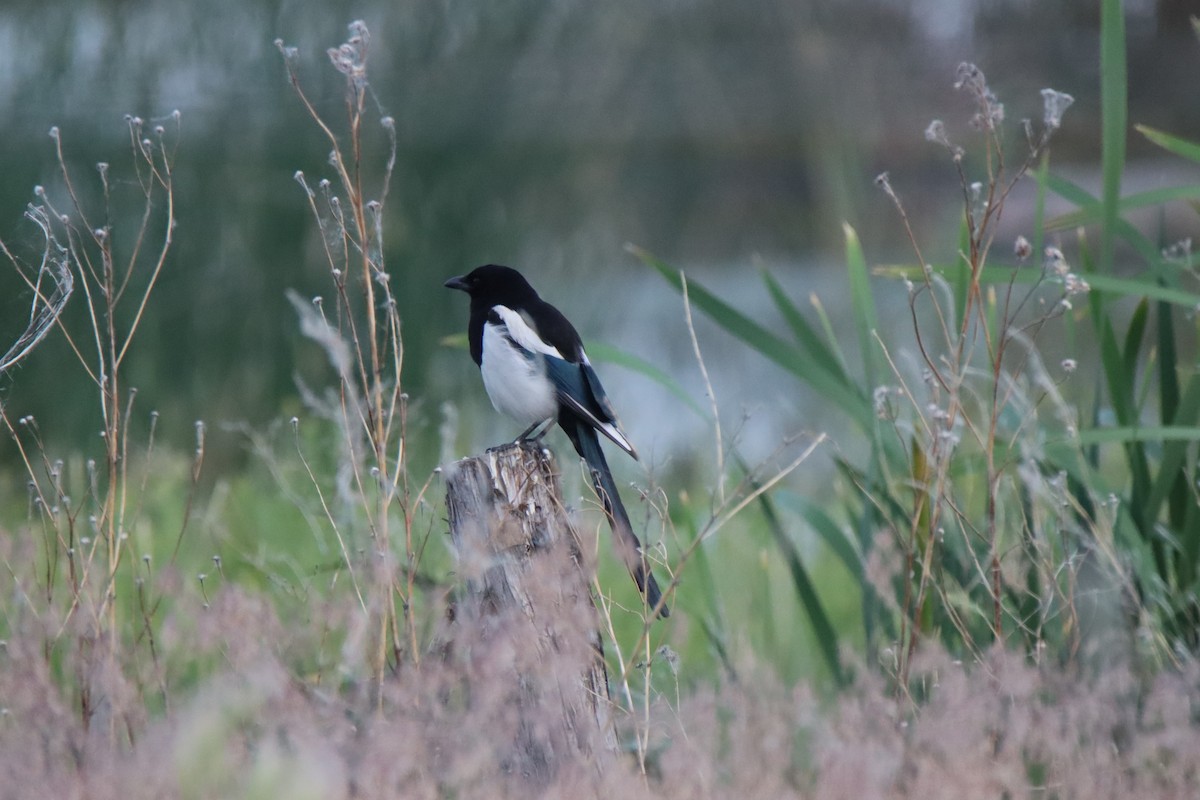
[516,384]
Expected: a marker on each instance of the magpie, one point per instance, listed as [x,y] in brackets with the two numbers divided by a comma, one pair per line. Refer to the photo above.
[535,371]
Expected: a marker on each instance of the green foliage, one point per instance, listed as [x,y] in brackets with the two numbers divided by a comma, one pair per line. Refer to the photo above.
[990,494]
[1114,120]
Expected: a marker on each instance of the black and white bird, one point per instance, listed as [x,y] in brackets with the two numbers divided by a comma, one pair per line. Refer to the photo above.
[535,371]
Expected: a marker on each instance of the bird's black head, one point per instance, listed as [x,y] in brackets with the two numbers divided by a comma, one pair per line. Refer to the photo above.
[494,284]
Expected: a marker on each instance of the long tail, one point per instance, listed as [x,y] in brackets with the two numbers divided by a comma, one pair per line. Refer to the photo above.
[629,547]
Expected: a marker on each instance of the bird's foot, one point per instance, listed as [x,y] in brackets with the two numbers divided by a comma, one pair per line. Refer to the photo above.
[530,437]
[534,433]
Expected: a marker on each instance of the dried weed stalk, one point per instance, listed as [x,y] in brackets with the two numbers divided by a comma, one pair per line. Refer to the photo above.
[982,380]
[84,514]
[361,337]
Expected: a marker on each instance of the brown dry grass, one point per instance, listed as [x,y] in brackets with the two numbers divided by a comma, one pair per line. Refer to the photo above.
[257,722]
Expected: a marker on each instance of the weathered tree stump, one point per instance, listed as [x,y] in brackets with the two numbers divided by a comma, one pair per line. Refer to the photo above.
[526,607]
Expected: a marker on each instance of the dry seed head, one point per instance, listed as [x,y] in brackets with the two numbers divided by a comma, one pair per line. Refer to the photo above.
[1054,262]
[936,132]
[991,111]
[1054,104]
[342,58]
[884,182]
[1022,249]
[993,117]
[1075,284]
[350,59]
[970,77]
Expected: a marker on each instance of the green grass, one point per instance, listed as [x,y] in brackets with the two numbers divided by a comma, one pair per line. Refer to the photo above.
[971,508]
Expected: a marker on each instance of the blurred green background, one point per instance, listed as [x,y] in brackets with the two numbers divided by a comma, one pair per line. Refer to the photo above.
[719,136]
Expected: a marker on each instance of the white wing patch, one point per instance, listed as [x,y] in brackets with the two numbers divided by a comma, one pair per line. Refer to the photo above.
[524,335]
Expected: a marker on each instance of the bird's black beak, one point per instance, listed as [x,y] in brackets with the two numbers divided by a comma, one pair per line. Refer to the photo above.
[457,283]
